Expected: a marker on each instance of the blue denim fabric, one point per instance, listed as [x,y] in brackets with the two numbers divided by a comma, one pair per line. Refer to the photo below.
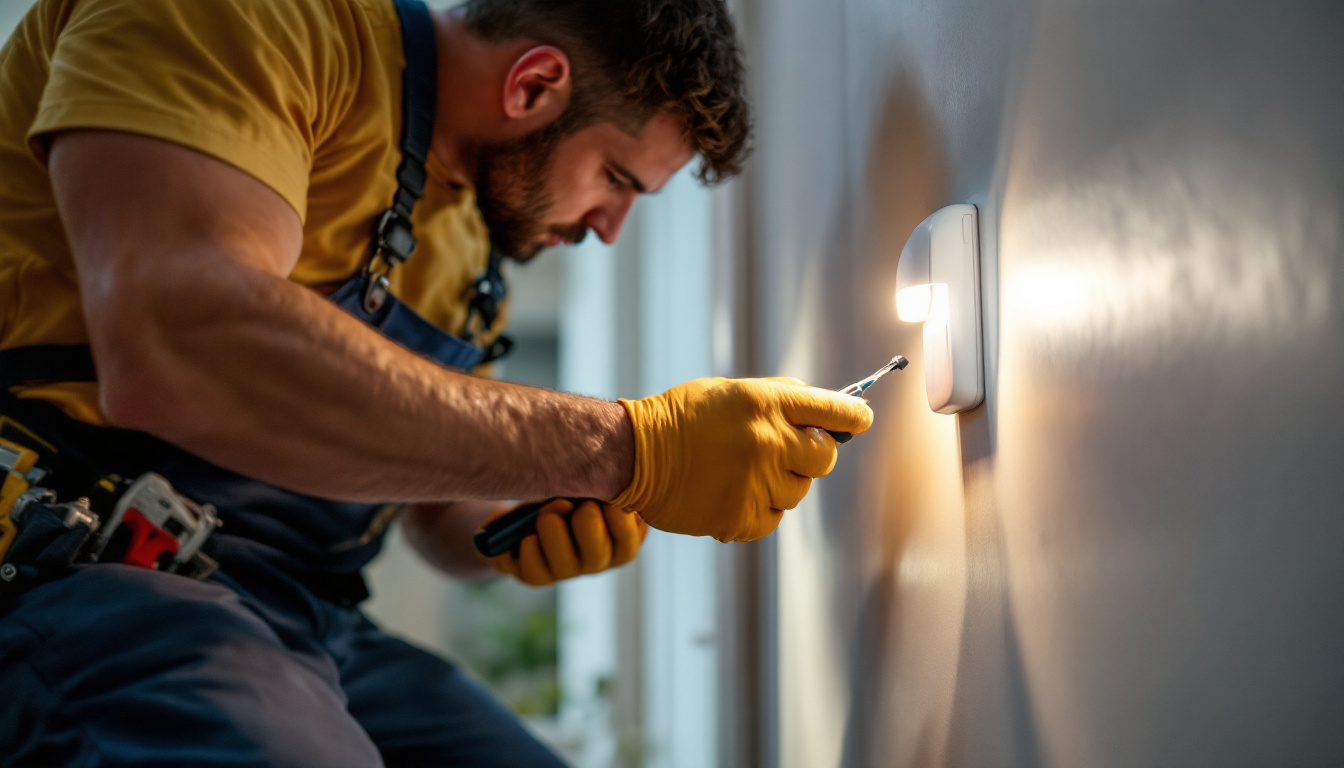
[122,666]
[113,665]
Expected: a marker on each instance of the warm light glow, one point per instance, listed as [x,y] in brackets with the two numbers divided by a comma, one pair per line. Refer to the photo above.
[940,311]
[1050,297]
[913,303]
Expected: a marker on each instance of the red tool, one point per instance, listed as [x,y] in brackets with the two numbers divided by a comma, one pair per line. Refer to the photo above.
[153,526]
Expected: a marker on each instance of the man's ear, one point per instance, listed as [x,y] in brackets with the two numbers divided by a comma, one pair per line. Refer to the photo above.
[538,86]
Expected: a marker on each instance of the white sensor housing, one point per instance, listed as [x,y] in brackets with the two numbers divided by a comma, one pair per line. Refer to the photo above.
[938,284]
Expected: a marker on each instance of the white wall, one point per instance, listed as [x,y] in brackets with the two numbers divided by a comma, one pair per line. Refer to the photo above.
[1132,555]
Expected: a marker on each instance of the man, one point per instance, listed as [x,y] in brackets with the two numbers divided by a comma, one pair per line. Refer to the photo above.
[190,188]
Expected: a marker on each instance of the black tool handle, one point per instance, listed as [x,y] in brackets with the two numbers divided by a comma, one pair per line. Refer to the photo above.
[508,530]
[841,437]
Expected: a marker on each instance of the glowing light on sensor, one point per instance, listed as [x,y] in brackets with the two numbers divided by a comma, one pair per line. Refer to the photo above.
[912,303]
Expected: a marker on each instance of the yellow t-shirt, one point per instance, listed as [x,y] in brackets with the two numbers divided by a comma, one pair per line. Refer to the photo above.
[304,95]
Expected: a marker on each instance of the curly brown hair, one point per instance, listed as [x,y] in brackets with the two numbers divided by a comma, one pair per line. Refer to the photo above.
[631,59]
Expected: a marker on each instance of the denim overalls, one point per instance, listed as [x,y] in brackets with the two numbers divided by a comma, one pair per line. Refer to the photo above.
[267,662]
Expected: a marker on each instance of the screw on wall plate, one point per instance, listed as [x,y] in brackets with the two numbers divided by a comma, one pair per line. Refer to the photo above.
[8,571]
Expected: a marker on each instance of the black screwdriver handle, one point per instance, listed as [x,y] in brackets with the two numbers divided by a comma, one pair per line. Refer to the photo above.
[507,531]
[841,437]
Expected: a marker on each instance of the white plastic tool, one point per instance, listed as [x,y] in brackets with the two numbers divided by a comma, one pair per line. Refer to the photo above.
[938,284]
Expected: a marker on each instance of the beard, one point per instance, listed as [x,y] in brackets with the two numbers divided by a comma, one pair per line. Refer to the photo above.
[513,195]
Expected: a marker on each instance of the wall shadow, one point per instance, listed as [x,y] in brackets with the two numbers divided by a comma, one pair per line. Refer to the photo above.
[989,719]
[904,179]
[992,720]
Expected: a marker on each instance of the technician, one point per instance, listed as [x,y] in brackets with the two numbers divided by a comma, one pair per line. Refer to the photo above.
[254,246]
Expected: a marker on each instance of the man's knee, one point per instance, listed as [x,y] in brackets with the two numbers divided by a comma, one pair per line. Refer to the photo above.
[150,669]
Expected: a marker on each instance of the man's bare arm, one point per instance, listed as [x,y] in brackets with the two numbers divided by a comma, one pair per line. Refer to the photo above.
[442,535]
[200,339]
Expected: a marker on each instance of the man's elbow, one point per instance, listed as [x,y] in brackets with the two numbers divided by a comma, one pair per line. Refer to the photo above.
[138,329]
[133,392]
[139,382]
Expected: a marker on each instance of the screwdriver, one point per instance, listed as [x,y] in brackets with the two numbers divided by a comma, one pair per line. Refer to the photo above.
[859,387]
[506,531]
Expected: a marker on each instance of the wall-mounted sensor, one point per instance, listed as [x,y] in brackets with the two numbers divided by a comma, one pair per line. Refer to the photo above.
[938,284]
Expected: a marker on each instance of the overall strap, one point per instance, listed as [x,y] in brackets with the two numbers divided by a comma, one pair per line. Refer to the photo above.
[483,310]
[393,242]
[420,90]
[45,364]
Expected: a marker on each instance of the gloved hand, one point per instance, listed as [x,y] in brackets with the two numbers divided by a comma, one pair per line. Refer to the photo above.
[726,457]
[595,537]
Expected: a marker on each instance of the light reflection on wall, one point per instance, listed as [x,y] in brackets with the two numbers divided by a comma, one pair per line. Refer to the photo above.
[915,473]
[1048,297]
[1102,265]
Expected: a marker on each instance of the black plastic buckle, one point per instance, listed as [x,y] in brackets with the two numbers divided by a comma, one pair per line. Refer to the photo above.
[395,239]
[498,348]
[393,244]
[489,290]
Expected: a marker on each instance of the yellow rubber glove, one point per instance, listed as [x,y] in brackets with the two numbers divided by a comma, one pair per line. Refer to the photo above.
[726,457]
[595,537]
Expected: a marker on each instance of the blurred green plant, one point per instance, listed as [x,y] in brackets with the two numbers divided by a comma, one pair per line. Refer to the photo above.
[508,636]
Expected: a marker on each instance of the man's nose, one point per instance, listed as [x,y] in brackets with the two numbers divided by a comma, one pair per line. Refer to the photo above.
[608,220]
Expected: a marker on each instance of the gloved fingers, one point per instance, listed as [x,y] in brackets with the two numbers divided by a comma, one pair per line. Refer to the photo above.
[787,380]
[643,529]
[557,546]
[811,452]
[788,489]
[763,520]
[536,572]
[531,564]
[627,534]
[505,564]
[813,407]
[556,505]
[595,540]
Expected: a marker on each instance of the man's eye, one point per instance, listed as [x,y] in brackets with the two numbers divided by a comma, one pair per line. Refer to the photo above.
[612,178]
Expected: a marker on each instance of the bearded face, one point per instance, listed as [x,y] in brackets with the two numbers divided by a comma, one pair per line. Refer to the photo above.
[573,176]
[514,195]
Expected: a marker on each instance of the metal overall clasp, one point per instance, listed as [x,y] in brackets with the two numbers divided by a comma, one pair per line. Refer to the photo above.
[393,243]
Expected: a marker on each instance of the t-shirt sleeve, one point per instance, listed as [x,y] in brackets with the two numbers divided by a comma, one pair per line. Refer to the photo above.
[234,79]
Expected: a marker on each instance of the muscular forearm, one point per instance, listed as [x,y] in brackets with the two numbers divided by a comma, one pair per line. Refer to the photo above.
[269,379]
[200,338]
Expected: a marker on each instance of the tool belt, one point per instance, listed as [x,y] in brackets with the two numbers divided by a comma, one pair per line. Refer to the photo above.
[139,521]
[50,535]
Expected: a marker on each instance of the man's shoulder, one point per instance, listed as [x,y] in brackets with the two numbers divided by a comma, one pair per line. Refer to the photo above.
[382,12]
[304,22]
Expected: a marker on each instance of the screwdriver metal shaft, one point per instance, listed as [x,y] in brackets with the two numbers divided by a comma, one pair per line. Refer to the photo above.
[859,387]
